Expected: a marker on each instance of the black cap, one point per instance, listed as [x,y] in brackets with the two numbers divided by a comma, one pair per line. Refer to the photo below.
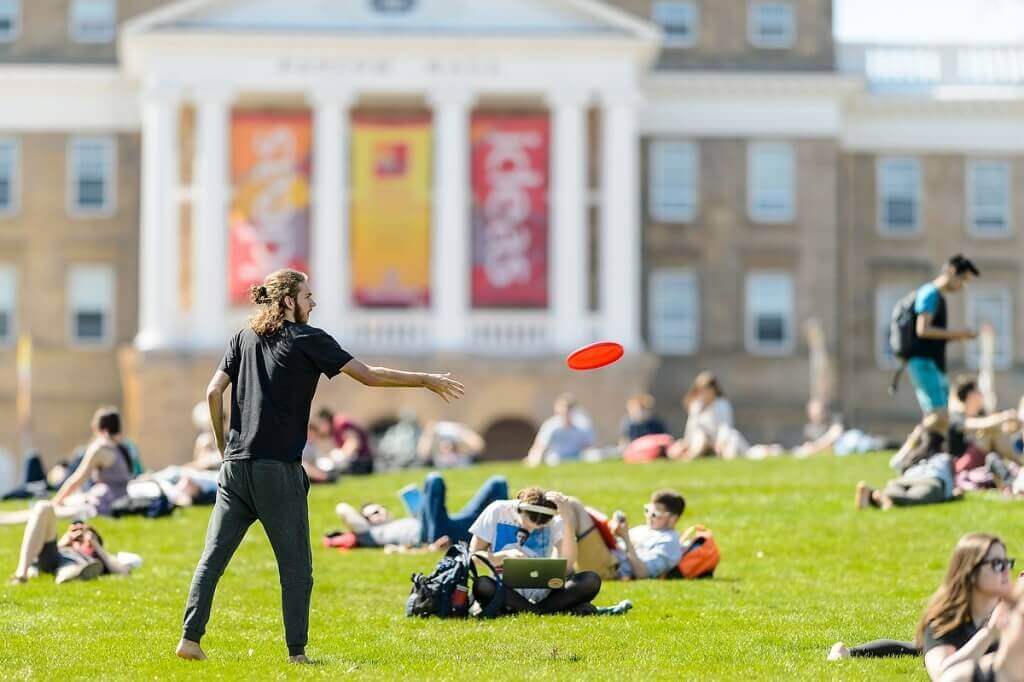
[961,264]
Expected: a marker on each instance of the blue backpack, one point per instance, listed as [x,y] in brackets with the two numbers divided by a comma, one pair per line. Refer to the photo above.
[446,593]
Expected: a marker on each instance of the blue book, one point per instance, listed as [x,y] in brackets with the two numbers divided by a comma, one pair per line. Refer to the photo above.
[412,499]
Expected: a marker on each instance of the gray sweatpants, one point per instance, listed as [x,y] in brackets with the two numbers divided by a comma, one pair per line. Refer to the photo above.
[274,493]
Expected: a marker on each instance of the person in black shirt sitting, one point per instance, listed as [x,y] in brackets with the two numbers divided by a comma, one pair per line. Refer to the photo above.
[1007,664]
[640,420]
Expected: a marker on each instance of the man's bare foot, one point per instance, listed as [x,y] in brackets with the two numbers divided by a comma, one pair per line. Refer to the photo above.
[838,652]
[300,659]
[883,500]
[862,499]
[189,650]
[17,580]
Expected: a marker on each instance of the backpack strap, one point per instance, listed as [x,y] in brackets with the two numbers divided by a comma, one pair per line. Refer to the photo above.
[894,384]
[495,607]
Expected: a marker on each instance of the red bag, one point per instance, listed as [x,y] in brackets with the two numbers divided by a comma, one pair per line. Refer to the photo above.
[700,554]
[647,448]
[601,524]
[343,541]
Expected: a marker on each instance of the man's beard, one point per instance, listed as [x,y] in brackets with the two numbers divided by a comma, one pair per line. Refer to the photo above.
[301,317]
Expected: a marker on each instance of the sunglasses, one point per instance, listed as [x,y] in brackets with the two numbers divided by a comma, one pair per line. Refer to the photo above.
[999,565]
[651,511]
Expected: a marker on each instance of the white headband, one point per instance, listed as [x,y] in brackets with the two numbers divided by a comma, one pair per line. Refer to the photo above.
[523,506]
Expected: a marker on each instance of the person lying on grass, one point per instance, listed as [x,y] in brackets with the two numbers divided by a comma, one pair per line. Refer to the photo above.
[433,528]
[930,481]
[78,554]
[650,550]
[536,524]
[954,627]
[1007,664]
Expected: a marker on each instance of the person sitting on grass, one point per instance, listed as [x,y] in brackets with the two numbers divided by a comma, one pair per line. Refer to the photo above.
[447,444]
[537,523]
[954,627]
[562,437]
[640,420]
[78,554]
[653,549]
[927,482]
[982,444]
[1007,663]
[433,528]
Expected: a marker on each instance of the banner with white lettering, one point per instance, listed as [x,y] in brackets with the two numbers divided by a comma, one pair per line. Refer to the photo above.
[510,210]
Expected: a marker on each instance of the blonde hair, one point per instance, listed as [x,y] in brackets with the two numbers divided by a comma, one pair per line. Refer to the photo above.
[703,380]
[270,295]
[950,606]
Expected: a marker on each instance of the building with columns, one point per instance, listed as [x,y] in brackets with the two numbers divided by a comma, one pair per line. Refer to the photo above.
[481,187]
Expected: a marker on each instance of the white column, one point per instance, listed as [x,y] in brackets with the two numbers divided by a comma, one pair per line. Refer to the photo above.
[159,309]
[450,243]
[568,258]
[620,293]
[331,279]
[210,224]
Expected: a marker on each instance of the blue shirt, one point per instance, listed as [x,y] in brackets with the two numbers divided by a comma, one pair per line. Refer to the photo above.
[937,466]
[927,300]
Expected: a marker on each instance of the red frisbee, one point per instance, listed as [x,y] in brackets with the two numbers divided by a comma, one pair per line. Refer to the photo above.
[595,355]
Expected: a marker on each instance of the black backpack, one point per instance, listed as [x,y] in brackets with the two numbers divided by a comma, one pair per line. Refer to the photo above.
[903,339]
[446,593]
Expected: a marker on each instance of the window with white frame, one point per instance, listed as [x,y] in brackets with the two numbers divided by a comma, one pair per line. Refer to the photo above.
[679,20]
[770,182]
[989,305]
[771,25]
[674,311]
[8,303]
[92,170]
[10,20]
[672,193]
[9,180]
[769,318]
[91,304]
[886,298]
[899,195]
[93,21]
[988,198]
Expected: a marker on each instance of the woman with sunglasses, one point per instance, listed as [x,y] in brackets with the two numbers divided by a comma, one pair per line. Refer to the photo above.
[1007,664]
[954,627]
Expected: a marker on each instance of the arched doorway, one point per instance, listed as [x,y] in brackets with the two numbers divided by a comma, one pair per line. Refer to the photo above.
[508,438]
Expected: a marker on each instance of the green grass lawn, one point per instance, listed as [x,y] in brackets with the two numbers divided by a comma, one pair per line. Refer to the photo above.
[800,570]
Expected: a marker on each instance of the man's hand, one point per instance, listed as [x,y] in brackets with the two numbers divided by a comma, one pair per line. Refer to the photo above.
[560,500]
[967,335]
[443,385]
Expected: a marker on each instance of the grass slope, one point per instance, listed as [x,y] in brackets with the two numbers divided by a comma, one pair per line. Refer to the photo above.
[800,570]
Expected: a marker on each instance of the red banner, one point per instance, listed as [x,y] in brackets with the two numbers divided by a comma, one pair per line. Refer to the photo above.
[510,210]
[269,221]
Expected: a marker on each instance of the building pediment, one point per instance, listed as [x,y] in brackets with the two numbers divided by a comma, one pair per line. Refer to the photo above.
[534,18]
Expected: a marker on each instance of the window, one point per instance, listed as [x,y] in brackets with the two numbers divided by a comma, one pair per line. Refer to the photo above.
[769,320]
[770,185]
[674,311]
[673,188]
[8,303]
[886,298]
[92,176]
[991,305]
[8,176]
[899,195]
[10,20]
[93,21]
[679,21]
[988,198]
[771,25]
[91,304]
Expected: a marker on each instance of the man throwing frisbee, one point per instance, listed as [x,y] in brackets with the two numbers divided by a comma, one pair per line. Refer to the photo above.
[273,366]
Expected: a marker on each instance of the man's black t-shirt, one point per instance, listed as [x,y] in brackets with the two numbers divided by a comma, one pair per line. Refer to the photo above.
[273,380]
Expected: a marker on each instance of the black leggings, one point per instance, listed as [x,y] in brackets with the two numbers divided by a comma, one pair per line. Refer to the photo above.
[884,648]
[579,589]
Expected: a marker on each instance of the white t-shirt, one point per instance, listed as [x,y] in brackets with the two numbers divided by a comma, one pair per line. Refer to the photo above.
[709,420]
[499,525]
[660,551]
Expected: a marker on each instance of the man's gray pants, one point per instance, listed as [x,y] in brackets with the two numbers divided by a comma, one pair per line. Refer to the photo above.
[273,493]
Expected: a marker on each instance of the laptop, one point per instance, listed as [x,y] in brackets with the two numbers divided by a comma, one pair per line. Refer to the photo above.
[545,573]
[412,499]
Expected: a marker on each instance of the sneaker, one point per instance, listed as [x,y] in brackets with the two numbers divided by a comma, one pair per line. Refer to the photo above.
[619,609]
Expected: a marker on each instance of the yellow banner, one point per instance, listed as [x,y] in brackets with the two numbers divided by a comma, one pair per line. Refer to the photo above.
[391,171]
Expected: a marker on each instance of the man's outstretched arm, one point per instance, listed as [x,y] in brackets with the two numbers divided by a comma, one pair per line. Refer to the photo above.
[441,384]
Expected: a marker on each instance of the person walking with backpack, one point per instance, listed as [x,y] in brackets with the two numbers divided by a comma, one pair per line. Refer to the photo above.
[922,345]
[273,367]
